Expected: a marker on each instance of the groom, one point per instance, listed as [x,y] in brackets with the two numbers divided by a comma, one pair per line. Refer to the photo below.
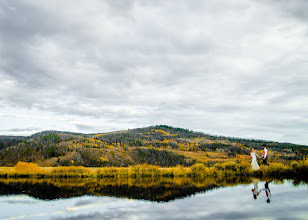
[264,156]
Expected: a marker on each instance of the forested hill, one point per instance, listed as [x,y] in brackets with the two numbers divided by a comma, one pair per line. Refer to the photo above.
[159,145]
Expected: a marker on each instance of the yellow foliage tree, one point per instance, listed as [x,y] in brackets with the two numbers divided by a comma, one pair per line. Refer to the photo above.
[27,168]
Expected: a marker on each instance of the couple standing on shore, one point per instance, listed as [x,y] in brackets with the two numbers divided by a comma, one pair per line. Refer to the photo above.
[254,155]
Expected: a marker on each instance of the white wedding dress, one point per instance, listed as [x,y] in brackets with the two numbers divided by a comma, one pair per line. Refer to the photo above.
[254,163]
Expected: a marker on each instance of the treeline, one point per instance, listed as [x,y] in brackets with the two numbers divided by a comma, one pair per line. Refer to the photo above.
[48,145]
[231,149]
[31,149]
[157,145]
[60,133]
[166,136]
[8,141]
[142,136]
[161,158]
[40,146]
[300,150]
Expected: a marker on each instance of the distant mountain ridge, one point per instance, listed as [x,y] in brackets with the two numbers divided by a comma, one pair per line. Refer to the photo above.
[158,145]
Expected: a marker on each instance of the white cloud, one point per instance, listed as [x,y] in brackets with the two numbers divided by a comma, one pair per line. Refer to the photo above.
[226,67]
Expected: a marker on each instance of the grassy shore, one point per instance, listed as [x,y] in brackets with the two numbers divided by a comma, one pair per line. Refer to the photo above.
[294,169]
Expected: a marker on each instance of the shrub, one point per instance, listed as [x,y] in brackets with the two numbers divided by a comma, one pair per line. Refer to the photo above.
[26,168]
[180,171]
[145,170]
[71,171]
[230,166]
[198,169]
[108,172]
[275,169]
[294,165]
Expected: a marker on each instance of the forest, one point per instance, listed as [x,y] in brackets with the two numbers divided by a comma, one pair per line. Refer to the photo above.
[160,145]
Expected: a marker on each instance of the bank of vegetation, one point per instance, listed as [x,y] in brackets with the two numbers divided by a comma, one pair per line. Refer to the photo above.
[144,152]
[293,169]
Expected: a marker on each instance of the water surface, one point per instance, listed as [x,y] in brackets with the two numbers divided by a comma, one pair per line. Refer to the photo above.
[152,198]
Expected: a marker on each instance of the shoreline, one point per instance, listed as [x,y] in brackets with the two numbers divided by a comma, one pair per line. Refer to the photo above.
[296,169]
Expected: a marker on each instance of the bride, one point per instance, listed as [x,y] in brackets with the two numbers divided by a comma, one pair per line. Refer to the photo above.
[254,163]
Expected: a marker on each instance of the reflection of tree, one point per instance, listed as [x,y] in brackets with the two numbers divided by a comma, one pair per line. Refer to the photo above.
[154,189]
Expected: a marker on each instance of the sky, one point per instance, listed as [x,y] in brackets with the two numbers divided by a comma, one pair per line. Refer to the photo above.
[233,68]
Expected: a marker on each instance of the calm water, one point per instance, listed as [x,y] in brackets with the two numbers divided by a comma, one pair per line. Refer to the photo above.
[153,199]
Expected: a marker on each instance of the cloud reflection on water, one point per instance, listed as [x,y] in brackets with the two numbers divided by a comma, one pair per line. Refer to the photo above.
[227,203]
[288,202]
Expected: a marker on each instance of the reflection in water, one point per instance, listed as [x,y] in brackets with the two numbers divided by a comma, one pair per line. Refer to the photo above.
[201,198]
[267,191]
[157,189]
[154,189]
[256,192]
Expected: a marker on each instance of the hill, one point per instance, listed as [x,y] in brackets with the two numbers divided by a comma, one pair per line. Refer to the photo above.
[158,145]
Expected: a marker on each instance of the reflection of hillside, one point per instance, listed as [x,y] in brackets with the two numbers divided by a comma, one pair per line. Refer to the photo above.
[153,189]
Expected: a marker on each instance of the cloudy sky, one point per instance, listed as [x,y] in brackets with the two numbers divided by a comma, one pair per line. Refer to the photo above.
[234,68]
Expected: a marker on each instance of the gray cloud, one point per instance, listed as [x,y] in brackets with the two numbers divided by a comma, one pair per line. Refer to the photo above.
[22,129]
[82,126]
[84,217]
[232,68]
[295,9]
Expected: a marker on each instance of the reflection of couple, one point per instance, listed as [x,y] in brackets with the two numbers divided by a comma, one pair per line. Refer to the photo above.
[255,191]
[254,155]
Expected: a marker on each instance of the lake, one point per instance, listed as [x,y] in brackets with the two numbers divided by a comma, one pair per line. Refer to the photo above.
[153,198]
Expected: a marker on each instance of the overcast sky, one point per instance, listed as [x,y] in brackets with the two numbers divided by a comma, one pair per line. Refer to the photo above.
[234,68]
